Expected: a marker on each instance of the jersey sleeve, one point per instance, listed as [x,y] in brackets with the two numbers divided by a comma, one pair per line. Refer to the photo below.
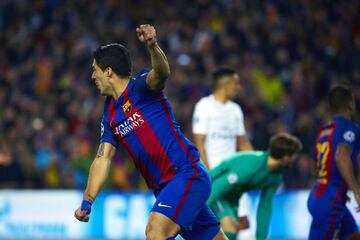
[141,86]
[264,211]
[200,119]
[107,136]
[240,128]
[347,135]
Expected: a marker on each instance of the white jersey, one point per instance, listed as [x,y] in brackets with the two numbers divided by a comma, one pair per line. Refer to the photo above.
[221,123]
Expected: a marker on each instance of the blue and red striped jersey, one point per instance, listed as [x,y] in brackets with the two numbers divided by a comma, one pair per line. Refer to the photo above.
[141,120]
[338,131]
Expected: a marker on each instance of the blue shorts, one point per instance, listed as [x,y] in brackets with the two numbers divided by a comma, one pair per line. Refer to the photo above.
[183,200]
[331,218]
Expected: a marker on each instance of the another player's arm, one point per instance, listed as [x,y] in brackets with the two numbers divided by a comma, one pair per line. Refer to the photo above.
[99,170]
[264,212]
[243,143]
[200,129]
[343,162]
[199,140]
[160,67]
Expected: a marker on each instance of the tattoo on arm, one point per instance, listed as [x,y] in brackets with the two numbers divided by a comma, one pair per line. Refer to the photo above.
[90,198]
[100,152]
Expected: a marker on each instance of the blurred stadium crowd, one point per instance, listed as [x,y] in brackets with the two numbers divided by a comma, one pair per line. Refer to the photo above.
[288,54]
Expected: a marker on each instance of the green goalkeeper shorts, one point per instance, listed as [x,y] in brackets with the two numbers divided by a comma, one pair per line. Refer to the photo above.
[224,208]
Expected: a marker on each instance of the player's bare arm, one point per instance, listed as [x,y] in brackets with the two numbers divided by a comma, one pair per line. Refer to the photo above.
[99,169]
[199,140]
[243,143]
[160,67]
[98,174]
[343,154]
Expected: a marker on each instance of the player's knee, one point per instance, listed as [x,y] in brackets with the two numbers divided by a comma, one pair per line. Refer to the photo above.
[155,232]
[228,224]
[151,232]
[161,227]
[151,235]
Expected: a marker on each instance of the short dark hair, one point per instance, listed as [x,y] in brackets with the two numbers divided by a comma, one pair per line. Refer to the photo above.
[339,97]
[115,56]
[283,144]
[222,72]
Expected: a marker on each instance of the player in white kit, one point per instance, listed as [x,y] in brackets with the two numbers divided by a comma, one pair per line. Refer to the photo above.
[218,128]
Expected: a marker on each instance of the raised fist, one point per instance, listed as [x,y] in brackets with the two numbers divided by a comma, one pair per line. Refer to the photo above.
[146,33]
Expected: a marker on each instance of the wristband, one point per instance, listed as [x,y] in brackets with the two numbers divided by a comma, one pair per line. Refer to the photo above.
[86,206]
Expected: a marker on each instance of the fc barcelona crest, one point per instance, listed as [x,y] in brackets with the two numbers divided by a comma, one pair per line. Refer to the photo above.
[127,107]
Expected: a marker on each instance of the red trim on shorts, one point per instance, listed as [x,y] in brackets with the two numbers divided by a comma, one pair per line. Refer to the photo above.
[334,217]
[187,190]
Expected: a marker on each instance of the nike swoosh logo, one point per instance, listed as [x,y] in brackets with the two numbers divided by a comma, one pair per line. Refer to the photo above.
[164,205]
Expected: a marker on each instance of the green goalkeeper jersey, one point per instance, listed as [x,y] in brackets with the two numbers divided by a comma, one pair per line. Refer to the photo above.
[243,172]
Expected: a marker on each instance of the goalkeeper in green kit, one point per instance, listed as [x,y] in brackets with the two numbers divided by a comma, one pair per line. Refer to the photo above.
[251,170]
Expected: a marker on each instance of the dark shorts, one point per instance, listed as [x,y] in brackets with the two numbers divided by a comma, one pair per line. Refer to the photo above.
[183,200]
[331,218]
